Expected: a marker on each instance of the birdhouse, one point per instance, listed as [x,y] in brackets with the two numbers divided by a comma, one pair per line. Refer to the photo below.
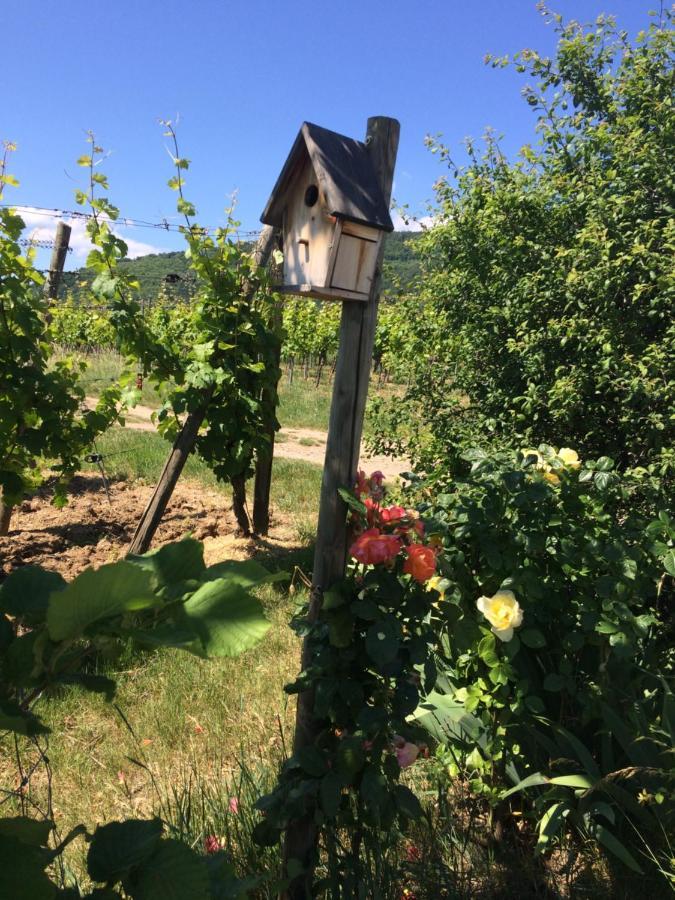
[329,206]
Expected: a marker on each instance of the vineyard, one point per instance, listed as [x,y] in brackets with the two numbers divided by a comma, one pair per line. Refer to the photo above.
[481,704]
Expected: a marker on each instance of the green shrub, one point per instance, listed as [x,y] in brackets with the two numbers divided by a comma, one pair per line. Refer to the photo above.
[555,638]
[548,281]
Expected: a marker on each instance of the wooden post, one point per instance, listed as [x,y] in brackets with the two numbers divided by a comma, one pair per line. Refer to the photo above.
[57,261]
[182,447]
[350,387]
[263,468]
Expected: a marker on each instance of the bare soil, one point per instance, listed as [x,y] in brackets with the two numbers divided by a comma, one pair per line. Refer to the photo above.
[92,531]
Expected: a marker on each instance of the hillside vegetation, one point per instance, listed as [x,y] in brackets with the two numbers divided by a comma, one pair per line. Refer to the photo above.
[168,274]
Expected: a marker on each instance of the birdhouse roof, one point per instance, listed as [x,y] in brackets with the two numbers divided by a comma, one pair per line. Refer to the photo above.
[345,173]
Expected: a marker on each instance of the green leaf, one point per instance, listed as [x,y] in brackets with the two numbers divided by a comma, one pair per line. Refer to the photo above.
[181,561]
[534,780]
[382,641]
[25,593]
[602,480]
[330,793]
[341,628]
[407,803]
[550,823]
[355,505]
[173,872]
[245,572]
[34,832]
[533,638]
[669,562]
[614,845]
[351,757]
[554,682]
[373,789]
[98,594]
[573,781]
[311,760]
[22,875]
[84,160]
[225,617]
[118,846]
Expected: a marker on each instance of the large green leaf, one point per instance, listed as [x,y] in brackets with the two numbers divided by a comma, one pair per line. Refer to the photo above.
[615,846]
[173,872]
[382,641]
[173,563]
[118,846]
[25,593]
[442,716]
[225,617]
[34,832]
[246,572]
[98,594]
[22,875]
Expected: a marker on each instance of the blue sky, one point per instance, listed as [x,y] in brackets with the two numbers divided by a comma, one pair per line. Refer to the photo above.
[242,76]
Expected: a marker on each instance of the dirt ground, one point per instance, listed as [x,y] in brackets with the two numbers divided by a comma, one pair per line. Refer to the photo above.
[91,531]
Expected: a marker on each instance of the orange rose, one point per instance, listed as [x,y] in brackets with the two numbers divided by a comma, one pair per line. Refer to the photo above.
[372,547]
[392,514]
[421,562]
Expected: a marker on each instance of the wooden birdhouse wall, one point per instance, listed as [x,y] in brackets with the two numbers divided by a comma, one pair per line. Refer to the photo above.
[353,265]
[308,230]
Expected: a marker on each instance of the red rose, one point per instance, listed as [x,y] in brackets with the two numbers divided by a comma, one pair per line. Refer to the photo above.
[372,547]
[421,562]
[392,514]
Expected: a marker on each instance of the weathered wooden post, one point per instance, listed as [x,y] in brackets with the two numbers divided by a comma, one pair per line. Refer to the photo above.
[57,261]
[335,253]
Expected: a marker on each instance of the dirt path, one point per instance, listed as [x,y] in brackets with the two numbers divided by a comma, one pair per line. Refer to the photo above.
[307,444]
[91,531]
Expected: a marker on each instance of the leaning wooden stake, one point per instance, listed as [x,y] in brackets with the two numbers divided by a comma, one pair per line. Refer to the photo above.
[184,443]
[352,373]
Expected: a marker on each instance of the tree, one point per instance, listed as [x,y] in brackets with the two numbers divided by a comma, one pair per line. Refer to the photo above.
[548,281]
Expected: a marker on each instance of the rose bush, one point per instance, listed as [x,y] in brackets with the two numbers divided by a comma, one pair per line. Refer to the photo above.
[555,637]
[371,653]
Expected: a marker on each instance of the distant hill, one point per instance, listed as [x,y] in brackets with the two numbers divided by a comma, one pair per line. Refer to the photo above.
[168,273]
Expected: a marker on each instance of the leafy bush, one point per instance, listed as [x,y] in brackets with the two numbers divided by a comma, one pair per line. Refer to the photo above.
[367,656]
[548,281]
[41,420]
[555,654]
[50,631]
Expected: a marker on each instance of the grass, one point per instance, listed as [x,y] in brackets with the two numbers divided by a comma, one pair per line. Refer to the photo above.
[302,403]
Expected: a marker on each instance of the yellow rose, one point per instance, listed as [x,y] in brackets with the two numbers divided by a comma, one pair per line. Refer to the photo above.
[551,477]
[440,585]
[502,612]
[569,457]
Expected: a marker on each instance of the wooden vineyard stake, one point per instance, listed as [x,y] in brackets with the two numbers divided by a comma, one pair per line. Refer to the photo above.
[57,261]
[185,441]
[350,387]
[263,467]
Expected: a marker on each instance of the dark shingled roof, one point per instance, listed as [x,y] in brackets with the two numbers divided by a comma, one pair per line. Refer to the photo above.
[345,173]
